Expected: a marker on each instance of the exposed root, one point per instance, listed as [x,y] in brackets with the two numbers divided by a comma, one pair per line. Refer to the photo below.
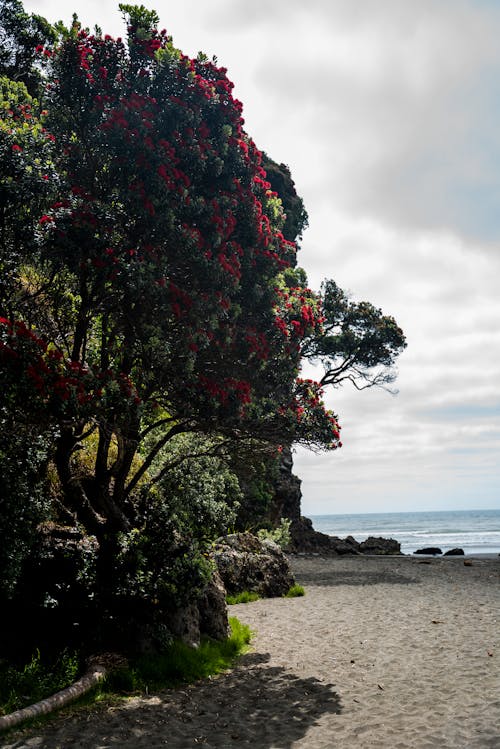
[99,667]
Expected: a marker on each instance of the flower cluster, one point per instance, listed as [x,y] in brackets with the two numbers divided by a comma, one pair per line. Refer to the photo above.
[55,382]
[297,312]
[228,389]
[171,231]
[313,422]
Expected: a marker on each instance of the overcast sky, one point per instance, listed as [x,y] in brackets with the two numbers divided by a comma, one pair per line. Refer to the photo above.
[388,113]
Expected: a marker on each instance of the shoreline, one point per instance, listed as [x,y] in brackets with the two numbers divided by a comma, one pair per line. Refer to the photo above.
[381,651]
[480,555]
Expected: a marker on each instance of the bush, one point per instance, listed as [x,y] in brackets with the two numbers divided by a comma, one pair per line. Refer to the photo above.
[23,496]
[295,592]
[246,596]
[21,686]
[280,535]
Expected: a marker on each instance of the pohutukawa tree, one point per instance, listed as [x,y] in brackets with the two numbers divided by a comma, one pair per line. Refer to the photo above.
[356,343]
[160,295]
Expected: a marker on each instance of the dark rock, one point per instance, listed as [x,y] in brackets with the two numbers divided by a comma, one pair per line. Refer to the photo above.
[307,540]
[380,546]
[246,563]
[454,553]
[287,494]
[432,550]
[212,609]
[148,631]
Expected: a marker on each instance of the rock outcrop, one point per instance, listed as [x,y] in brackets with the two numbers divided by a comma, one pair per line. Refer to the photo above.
[454,553]
[306,540]
[379,546]
[287,494]
[247,564]
[430,550]
[212,609]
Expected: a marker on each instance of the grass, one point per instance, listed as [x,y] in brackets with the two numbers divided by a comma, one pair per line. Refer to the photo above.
[181,664]
[295,592]
[25,685]
[178,664]
[246,596]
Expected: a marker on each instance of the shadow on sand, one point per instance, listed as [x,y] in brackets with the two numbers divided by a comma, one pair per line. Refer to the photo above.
[345,577]
[254,705]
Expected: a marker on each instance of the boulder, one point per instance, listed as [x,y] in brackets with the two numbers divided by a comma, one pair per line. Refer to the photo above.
[306,540]
[431,550]
[212,609]
[380,546]
[150,631]
[205,616]
[246,563]
[454,553]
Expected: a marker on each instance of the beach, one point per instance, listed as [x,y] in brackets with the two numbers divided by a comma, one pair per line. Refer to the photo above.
[400,652]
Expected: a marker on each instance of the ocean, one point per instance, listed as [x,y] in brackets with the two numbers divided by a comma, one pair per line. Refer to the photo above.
[475,531]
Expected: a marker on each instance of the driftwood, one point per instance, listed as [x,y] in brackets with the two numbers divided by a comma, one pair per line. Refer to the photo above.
[98,668]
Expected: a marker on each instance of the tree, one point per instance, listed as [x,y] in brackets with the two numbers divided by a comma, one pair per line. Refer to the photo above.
[22,37]
[356,342]
[158,296]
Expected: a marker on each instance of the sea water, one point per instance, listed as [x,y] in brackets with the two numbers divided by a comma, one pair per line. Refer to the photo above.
[474,531]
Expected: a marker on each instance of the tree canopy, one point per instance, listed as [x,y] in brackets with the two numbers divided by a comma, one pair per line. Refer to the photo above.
[356,342]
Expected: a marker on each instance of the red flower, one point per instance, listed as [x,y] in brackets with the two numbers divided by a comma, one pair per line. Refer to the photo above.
[16,148]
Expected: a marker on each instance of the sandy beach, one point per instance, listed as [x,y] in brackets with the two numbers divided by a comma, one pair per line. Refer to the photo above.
[381,652]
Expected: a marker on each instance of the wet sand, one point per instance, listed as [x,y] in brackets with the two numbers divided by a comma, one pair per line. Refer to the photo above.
[394,652]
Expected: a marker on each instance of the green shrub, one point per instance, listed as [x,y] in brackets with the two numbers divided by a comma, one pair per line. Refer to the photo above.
[280,535]
[24,685]
[23,496]
[246,596]
[295,592]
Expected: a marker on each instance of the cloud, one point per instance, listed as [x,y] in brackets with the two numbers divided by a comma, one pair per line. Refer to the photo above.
[395,107]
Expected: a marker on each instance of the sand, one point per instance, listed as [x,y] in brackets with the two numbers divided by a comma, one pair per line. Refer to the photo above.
[381,652]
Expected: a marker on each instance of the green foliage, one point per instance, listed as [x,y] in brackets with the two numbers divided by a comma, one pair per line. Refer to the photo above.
[280,535]
[27,180]
[196,482]
[21,686]
[23,496]
[20,35]
[357,342]
[140,21]
[193,502]
[246,596]
[279,176]
[295,592]
[164,564]
[181,664]
[177,664]
[257,471]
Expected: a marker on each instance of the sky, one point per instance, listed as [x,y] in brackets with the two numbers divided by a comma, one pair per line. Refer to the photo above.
[387,113]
